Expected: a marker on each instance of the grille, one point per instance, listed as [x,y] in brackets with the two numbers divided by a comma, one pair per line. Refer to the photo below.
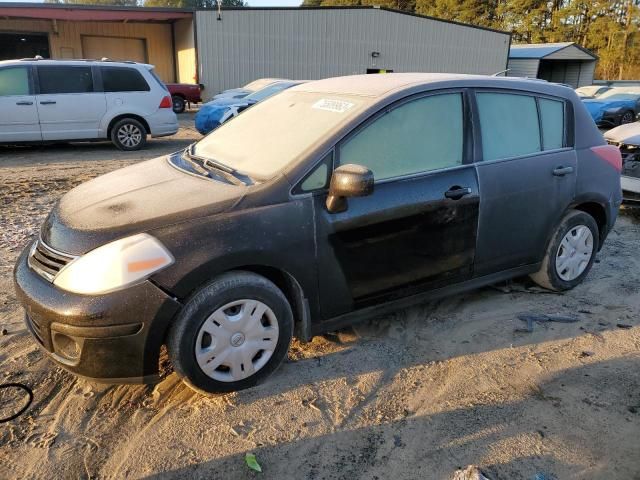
[36,329]
[46,261]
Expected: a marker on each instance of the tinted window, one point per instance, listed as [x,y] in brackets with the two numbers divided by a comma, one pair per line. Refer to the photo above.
[552,120]
[119,79]
[14,81]
[65,79]
[509,125]
[424,134]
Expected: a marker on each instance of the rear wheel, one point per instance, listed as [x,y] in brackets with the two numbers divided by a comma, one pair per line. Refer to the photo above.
[570,253]
[178,104]
[232,334]
[129,134]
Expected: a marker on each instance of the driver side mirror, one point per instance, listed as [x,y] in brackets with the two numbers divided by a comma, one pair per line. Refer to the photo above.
[348,181]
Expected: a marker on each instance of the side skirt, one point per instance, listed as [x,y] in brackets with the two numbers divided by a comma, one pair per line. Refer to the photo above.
[378,310]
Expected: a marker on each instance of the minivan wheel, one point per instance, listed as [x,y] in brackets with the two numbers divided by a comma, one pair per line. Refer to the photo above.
[129,134]
[231,334]
[178,104]
[570,253]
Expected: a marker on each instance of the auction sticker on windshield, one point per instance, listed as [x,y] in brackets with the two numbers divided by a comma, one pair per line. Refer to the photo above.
[338,106]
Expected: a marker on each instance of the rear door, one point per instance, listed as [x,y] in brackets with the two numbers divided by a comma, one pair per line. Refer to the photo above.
[527,175]
[417,230]
[19,114]
[69,105]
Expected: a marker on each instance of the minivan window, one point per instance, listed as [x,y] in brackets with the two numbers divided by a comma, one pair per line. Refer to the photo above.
[418,136]
[14,81]
[65,79]
[121,79]
[552,121]
[509,125]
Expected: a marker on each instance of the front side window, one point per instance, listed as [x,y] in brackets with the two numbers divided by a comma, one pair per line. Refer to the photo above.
[119,79]
[418,136]
[509,125]
[65,79]
[14,81]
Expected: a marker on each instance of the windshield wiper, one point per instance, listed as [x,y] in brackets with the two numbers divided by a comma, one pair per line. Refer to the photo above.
[212,166]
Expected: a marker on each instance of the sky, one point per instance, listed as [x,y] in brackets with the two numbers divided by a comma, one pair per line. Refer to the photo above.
[252,3]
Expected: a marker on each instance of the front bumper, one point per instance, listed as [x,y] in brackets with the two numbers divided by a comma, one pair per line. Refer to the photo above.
[114,338]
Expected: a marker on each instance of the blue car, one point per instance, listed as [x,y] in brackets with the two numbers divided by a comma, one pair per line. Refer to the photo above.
[248,89]
[213,114]
[615,107]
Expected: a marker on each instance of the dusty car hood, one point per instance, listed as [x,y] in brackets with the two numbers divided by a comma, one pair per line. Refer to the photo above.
[132,200]
[628,134]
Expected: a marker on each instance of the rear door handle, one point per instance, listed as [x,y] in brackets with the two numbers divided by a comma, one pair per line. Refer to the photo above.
[562,171]
[456,193]
[24,103]
[47,102]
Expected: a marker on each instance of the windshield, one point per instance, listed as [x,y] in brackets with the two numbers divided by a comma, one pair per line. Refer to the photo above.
[589,91]
[259,84]
[620,95]
[268,136]
[267,92]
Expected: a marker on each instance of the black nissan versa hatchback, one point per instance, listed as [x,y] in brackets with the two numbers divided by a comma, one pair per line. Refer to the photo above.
[331,201]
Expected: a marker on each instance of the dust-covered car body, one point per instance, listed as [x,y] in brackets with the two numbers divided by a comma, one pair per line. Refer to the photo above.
[627,138]
[248,89]
[354,196]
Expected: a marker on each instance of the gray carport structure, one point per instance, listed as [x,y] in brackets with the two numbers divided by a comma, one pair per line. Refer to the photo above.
[567,63]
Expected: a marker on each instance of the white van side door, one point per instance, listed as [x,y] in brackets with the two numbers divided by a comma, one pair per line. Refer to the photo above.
[19,117]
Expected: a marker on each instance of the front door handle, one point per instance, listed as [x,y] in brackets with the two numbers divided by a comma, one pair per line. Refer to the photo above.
[562,171]
[456,193]
[24,103]
[47,102]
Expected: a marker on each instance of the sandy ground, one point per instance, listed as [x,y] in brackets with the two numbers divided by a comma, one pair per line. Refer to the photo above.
[416,394]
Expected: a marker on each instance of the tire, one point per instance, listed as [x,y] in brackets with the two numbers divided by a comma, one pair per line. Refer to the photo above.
[627,117]
[179,104]
[560,269]
[204,336]
[129,134]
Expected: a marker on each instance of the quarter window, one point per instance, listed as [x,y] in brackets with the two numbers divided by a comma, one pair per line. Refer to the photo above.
[418,136]
[54,79]
[14,81]
[509,125]
[552,121]
[118,79]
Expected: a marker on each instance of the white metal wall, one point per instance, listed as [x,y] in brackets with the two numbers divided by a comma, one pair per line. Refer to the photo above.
[319,43]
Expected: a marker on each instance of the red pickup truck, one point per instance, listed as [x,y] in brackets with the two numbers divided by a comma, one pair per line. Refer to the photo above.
[183,93]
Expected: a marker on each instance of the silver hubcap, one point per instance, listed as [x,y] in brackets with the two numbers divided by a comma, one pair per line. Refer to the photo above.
[574,253]
[237,340]
[129,135]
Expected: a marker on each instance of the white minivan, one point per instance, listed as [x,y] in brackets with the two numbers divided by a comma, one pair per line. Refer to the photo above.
[64,100]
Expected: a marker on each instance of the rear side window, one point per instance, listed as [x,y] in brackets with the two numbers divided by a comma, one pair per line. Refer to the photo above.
[14,81]
[157,79]
[65,79]
[418,136]
[509,125]
[119,79]
[552,121]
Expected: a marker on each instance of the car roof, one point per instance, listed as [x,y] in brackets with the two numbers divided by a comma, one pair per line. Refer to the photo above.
[46,61]
[382,85]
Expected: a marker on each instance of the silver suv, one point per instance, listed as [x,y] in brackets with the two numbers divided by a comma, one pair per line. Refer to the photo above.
[61,100]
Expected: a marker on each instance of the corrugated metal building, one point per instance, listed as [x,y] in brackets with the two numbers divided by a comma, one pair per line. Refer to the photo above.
[556,62]
[312,43]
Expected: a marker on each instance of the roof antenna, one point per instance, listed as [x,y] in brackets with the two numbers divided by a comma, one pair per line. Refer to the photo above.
[497,74]
[219,2]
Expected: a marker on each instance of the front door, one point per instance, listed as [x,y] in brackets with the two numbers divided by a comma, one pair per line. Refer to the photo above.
[527,177]
[68,105]
[418,228]
[19,117]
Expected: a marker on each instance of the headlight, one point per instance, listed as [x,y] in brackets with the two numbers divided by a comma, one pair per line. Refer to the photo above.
[114,265]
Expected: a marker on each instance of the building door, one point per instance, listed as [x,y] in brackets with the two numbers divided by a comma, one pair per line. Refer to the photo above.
[21,45]
[115,48]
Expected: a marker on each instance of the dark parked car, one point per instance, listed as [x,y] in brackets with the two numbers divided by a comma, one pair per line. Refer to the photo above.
[329,202]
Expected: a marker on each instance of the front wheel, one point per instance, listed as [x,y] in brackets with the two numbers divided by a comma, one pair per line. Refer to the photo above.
[129,134]
[232,334]
[570,253]
[627,117]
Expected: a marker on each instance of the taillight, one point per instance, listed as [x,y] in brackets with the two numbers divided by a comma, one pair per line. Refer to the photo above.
[609,154]
[166,102]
